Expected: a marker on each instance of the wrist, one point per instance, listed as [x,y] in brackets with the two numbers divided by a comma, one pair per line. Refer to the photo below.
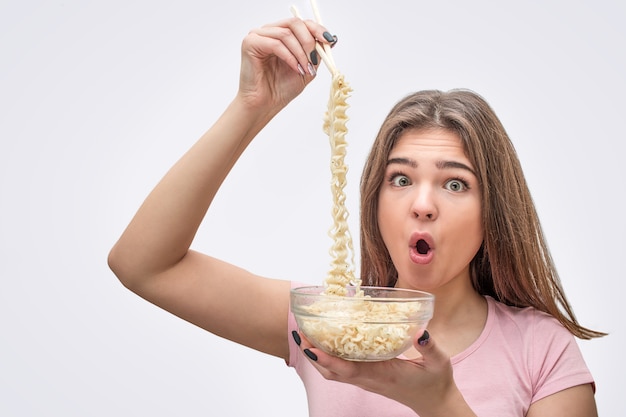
[249,117]
[256,109]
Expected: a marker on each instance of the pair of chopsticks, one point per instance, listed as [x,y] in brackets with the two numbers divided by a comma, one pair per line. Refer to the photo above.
[323,49]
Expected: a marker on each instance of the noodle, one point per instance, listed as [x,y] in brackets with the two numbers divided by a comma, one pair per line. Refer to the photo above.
[341,273]
[342,250]
[353,327]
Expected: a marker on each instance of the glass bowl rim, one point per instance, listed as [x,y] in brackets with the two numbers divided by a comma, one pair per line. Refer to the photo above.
[317,292]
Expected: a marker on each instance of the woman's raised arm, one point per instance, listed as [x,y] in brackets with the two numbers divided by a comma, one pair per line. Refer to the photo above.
[153,256]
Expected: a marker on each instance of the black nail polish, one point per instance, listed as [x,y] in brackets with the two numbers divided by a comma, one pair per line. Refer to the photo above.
[330,38]
[314,57]
[310,354]
[296,337]
[424,338]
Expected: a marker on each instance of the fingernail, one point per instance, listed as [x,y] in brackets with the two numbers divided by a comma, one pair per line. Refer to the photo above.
[310,354]
[311,69]
[334,42]
[314,57]
[296,337]
[301,70]
[424,338]
[330,38]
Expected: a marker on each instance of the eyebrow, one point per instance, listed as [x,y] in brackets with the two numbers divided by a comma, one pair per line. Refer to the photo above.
[440,164]
[454,164]
[402,161]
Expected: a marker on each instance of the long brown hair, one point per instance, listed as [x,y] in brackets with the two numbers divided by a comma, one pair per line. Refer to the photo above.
[513,265]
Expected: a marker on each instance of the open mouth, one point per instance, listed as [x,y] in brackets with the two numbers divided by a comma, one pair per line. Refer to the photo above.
[422,247]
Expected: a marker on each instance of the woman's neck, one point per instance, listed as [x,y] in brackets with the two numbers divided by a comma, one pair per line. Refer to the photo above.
[459,317]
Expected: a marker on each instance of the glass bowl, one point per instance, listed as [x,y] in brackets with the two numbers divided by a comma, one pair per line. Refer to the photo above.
[376,327]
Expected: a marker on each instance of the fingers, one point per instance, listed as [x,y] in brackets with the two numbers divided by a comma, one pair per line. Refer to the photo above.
[289,42]
[293,41]
[330,367]
[419,382]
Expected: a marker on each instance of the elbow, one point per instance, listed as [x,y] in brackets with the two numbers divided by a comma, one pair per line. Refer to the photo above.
[132,268]
[121,266]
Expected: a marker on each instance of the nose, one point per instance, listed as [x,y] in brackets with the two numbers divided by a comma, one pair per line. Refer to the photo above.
[424,206]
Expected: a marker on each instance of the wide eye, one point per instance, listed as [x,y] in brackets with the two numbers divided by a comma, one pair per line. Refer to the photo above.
[456,185]
[400,180]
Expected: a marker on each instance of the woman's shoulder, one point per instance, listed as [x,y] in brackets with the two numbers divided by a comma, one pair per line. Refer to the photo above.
[534,334]
[524,319]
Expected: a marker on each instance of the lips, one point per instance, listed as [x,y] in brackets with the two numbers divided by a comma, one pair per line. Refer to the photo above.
[421,248]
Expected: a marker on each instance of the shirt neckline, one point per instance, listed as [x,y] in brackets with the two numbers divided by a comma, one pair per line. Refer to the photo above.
[491,316]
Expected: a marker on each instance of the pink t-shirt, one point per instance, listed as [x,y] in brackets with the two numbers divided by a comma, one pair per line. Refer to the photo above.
[521,356]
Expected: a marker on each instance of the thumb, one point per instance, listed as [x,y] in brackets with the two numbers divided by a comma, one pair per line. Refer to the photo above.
[424,339]
[430,351]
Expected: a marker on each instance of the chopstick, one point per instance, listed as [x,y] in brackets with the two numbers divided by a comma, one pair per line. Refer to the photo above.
[322,49]
[318,19]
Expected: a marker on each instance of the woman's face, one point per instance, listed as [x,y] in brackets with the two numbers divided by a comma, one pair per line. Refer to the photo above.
[429,210]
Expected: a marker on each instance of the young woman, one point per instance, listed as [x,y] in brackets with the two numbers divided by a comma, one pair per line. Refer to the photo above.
[444,209]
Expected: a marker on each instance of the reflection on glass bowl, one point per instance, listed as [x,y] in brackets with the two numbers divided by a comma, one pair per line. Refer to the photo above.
[376,327]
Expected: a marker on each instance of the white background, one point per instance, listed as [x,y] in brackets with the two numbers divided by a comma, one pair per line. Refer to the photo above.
[98,99]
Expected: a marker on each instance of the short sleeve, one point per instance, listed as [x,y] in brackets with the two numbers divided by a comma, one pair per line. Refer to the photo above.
[556,360]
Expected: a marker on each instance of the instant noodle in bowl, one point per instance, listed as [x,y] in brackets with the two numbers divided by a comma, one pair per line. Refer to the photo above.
[378,325]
